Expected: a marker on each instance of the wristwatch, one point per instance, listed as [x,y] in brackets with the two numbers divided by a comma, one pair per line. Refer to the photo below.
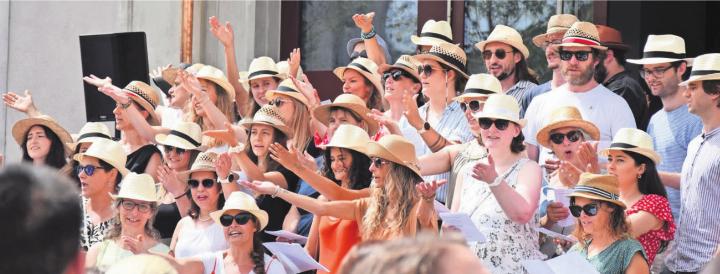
[230,179]
[425,127]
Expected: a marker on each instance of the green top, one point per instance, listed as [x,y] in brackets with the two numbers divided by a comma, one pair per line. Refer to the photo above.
[615,259]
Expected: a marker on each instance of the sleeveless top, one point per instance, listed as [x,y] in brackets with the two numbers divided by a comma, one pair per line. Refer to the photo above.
[508,243]
[193,241]
[110,253]
[615,258]
[213,264]
[91,233]
[337,237]
[277,208]
[138,160]
[659,207]
[471,152]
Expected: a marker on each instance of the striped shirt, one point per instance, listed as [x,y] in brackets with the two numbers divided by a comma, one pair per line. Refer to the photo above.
[698,231]
[518,92]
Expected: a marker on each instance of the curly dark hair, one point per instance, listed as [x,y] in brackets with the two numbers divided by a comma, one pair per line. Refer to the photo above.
[618,225]
[517,145]
[360,175]
[278,137]
[56,154]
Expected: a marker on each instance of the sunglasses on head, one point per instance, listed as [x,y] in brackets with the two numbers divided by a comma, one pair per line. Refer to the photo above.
[177,150]
[207,183]
[357,54]
[500,124]
[474,105]
[427,69]
[88,169]
[590,209]
[277,102]
[241,218]
[142,207]
[572,136]
[579,55]
[395,74]
[500,54]
[378,162]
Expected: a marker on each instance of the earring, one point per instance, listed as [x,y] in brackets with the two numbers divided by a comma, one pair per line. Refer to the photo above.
[639,176]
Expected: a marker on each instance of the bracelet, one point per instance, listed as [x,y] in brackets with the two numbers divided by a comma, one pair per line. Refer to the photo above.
[183,194]
[368,35]
[497,182]
[428,199]
[277,190]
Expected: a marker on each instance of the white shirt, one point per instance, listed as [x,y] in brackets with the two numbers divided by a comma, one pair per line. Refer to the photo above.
[194,240]
[213,264]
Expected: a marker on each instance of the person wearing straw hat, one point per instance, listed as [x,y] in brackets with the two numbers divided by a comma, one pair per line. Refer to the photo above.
[132,232]
[579,53]
[263,75]
[294,108]
[361,78]
[42,141]
[90,132]
[632,159]
[196,234]
[432,33]
[370,43]
[601,227]
[100,169]
[345,109]
[548,41]
[505,57]
[398,205]
[211,104]
[501,191]
[697,234]
[612,74]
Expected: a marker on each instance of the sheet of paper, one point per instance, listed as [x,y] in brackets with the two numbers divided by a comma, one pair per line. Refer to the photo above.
[289,235]
[463,222]
[569,263]
[555,234]
[536,267]
[562,196]
[440,208]
[294,257]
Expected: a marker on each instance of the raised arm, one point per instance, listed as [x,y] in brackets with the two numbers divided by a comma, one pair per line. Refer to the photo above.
[338,209]
[225,34]
[254,172]
[177,188]
[216,118]
[427,216]
[222,169]
[22,104]
[518,203]
[439,162]
[374,51]
[670,179]
[311,94]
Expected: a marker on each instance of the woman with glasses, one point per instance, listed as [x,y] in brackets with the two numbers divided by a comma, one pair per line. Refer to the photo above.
[100,169]
[132,231]
[501,192]
[601,229]
[196,233]
[360,78]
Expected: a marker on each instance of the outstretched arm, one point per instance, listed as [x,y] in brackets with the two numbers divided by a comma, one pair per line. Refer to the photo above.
[224,34]
[22,104]
[374,51]
[427,216]
[216,119]
[338,209]
[254,172]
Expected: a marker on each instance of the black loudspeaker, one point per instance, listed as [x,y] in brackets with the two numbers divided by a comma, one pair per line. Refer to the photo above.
[120,56]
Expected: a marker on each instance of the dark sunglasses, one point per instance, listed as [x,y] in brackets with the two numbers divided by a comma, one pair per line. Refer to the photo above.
[427,69]
[500,54]
[89,169]
[277,102]
[572,136]
[357,54]
[129,205]
[177,150]
[474,105]
[207,183]
[500,124]
[240,218]
[579,55]
[589,209]
[395,74]
[378,162]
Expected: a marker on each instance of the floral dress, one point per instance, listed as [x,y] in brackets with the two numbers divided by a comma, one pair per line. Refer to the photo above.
[91,233]
[659,207]
[508,243]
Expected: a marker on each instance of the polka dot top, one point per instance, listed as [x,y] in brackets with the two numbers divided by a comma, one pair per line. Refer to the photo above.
[659,207]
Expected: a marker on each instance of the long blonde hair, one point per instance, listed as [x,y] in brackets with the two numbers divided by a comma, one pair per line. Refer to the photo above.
[391,205]
[300,125]
[223,103]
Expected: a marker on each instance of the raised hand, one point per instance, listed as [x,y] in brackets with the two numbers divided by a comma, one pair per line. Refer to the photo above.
[383,120]
[485,172]
[294,62]
[261,187]
[587,155]
[23,104]
[364,21]
[568,174]
[134,245]
[224,33]
[170,181]
[307,90]
[223,164]
[191,84]
[96,81]
[157,72]
[427,189]
[551,165]
[287,158]
[556,212]
[411,109]
[226,135]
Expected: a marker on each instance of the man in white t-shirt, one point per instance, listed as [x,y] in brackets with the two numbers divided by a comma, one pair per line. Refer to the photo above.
[579,54]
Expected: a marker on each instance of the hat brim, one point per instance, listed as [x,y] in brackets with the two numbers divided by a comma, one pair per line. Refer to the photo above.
[259,214]
[322,114]
[133,196]
[543,136]
[282,128]
[426,41]
[279,76]
[462,97]
[582,45]
[174,141]
[122,169]
[520,122]
[649,153]
[423,56]
[154,120]
[519,46]
[374,80]
[374,149]
[186,174]
[271,94]
[224,83]
[385,68]
[20,129]
[595,197]
[714,76]
[73,146]
[622,47]
[356,147]
[659,60]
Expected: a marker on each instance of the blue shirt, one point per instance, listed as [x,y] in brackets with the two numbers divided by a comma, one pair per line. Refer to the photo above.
[530,94]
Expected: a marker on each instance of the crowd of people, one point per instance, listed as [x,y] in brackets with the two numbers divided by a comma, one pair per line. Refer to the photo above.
[209,161]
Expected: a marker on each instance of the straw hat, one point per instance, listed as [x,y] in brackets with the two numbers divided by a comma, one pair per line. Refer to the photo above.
[557,23]
[216,76]
[21,127]
[289,89]
[194,68]
[367,68]
[205,161]
[263,67]
[350,102]
[137,187]
[566,117]
[449,54]
[145,96]
[90,132]
[480,85]
[705,67]
[350,137]
[433,33]
[242,201]
[660,49]
[142,264]
[611,38]
[506,35]
[406,62]
[243,79]
[501,106]
[598,187]
[268,115]
[185,135]
[396,149]
[634,140]
[109,151]
[582,34]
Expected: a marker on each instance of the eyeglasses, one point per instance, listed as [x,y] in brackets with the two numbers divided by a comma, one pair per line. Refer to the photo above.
[427,69]
[89,169]
[552,42]
[572,136]
[657,72]
[277,102]
[589,209]
[378,162]
[357,54]
[500,124]
[474,105]
[177,150]
[395,74]
[241,218]
[207,183]
[129,205]
[579,55]
[500,54]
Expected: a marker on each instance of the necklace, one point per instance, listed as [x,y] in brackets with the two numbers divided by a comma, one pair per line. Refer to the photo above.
[204,219]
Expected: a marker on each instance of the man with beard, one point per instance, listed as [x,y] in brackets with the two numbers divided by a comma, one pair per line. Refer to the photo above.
[580,52]
[505,58]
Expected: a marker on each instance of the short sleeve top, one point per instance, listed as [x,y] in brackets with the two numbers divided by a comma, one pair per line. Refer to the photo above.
[659,207]
[616,258]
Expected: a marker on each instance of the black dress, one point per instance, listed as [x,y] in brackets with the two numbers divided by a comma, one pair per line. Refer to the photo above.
[277,208]
[138,160]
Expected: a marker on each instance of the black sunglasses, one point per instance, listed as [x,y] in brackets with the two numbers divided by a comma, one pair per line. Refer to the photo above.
[427,69]
[378,162]
[357,54]
[500,54]
[474,105]
[395,74]
[129,205]
[579,55]
[572,136]
[277,102]
[241,218]
[177,150]
[589,209]
[89,169]
[207,183]
[500,124]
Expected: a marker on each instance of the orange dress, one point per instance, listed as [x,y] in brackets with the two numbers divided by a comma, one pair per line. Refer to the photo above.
[337,237]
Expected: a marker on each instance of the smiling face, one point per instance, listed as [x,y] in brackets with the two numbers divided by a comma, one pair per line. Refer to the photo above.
[493,138]
[624,167]
[505,67]
[380,172]
[177,161]
[340,162]
[237,234]
[260,86]
[205,198]
[100,182]
[667,84]
[38,143]
[551,50]
[356,84]
[134,218]
[261,137]
[597,223]
[567,150]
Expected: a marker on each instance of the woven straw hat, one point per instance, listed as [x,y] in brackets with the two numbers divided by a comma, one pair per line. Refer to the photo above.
[367,68]
[145,96]
[205,161]
[137,187]
[21,127]
[506,35]
[433,33]
[349,102]
[289,89]
[185,135]
[350,137]
[449,54]
[635,140]
[88,133]
[480,86]
[263,67]
[598,187]
[396,149]
[501,106]
[109,151]
[406,62]
[566,117]
[242,201]
[582,34]
[660,49]
[268,115]
[705,67]
[557,23]
[216,76]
